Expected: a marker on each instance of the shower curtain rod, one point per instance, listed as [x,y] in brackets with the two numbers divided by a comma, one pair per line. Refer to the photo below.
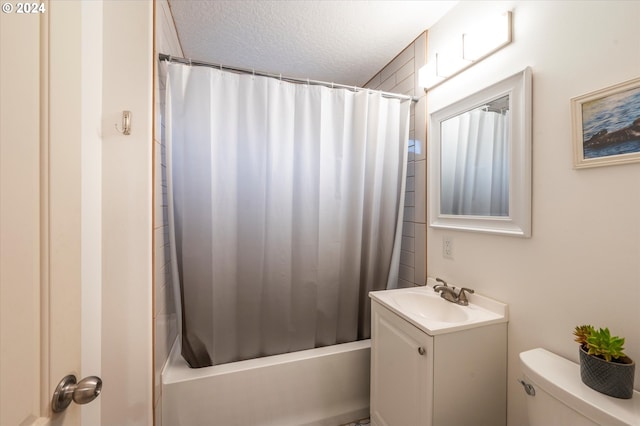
[169,58]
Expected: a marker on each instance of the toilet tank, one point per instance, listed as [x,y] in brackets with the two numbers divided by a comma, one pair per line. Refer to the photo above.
[562,399]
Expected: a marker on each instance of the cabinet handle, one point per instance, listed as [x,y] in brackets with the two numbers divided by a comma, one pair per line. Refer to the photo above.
[422,350]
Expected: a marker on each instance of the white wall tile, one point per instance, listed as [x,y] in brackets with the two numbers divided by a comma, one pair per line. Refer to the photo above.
[409,214]
[412,124]
[411,183]
[406,273]
[420,257]
[388,84]
[408,243]
[411,171]
[404,86]
[408,229]
[404,284]
[406,71]
[374,82]
[421,191]
[400,76]
[409,199]
[398,62]
[407,258]
[420,58]
[421,128]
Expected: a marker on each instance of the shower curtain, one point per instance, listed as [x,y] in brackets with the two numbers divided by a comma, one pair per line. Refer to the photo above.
[475,146]
[285,208]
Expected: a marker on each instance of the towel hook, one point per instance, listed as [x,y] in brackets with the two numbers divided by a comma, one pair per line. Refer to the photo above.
[126,123]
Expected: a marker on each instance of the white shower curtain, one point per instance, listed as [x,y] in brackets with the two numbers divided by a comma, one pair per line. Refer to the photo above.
[286,205]
[476,179]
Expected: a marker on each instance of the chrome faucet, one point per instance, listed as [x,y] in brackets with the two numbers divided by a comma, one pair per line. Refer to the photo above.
[450,294]
[438,287]
[462,296]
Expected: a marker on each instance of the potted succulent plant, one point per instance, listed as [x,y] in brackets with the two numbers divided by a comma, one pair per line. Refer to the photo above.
[603,364]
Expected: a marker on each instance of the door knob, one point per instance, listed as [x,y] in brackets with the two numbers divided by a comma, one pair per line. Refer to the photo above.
[69,389]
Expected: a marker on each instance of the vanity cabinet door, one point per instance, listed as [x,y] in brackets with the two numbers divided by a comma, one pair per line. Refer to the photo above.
[401,371]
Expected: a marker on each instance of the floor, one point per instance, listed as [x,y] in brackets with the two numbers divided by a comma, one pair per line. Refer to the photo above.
[362,422]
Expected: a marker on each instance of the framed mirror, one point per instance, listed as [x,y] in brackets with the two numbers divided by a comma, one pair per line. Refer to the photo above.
[480,160]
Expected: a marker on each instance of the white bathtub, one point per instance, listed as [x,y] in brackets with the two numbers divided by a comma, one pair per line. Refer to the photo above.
[325,387]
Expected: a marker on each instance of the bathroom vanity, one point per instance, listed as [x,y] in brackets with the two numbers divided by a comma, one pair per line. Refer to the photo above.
[435,363]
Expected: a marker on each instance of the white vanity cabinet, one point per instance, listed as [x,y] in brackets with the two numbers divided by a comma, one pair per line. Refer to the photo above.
[455,378]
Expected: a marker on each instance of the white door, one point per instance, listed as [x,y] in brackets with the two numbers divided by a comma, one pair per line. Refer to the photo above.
[60,308]
[40,244]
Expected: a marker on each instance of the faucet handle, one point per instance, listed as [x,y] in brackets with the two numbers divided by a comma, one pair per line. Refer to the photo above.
[438,287]
[462,296]
[440,280]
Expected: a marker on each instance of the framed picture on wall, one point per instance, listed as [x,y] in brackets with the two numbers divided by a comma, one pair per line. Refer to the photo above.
[606,126]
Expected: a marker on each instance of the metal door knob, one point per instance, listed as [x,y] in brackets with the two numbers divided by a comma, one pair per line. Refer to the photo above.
[81,392]
[422,350]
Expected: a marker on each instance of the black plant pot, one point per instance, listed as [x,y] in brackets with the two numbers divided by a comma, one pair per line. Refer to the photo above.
[610,378]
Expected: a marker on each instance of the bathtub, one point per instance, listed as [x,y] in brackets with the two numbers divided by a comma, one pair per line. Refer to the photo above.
[322,387]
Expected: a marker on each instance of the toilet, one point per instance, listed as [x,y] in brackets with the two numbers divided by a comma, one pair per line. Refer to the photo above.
[556,395]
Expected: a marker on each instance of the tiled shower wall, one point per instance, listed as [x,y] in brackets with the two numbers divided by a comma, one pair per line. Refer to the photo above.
[165,322]
[401,76]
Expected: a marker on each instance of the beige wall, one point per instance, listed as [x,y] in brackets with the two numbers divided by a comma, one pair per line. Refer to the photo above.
[401,76]
[164,318]
[582,263]
[127,341]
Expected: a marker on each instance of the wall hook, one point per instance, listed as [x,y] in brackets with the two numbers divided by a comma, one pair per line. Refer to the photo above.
[126,123]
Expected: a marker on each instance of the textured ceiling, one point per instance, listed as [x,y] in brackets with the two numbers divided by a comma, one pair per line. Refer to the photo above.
[346,41]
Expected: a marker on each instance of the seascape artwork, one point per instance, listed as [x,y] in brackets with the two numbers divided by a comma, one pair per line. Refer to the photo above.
[611,125]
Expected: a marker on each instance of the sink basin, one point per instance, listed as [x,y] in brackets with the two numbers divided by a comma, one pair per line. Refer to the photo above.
[430,306]
[425,309]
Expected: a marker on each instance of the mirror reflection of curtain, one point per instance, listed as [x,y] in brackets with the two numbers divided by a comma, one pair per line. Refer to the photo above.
[286,201]
[475,164]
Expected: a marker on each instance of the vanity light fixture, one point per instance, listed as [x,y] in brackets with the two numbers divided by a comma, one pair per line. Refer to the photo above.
[477,43]
[428,75]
